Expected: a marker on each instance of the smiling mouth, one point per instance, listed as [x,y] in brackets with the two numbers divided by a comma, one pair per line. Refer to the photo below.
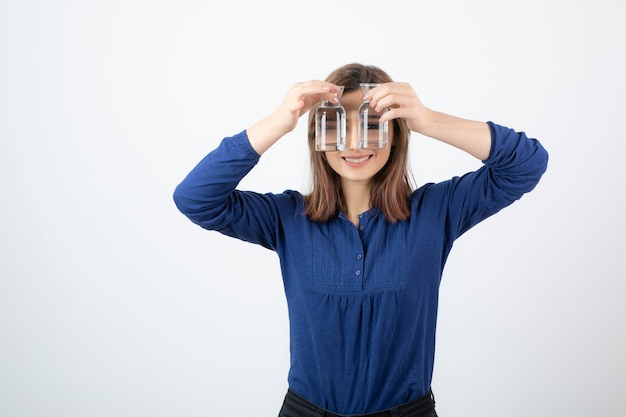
[359,160]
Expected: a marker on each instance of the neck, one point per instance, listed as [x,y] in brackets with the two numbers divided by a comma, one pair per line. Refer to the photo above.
[357,199]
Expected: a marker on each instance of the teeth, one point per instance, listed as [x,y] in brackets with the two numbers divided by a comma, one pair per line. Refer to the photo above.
[357,160]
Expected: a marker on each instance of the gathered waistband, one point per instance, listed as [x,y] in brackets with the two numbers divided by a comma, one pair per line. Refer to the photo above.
[422,407]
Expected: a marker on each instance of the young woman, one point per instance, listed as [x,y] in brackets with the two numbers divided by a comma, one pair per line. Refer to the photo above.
[363,253]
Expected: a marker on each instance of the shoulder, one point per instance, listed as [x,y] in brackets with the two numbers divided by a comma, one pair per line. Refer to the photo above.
[432,190]
[291,196]
[436,196]
[288,201]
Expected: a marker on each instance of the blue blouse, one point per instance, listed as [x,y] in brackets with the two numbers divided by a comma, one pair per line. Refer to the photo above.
[362,301]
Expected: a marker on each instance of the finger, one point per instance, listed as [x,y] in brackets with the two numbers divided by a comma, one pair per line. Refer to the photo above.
[315,91]
[386,89]
[396,113]
[318,87]
[393,91]
[375,93]
[385,102]
[388,116]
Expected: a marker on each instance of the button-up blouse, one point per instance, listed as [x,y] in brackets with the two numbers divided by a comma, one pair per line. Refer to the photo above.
[363,300]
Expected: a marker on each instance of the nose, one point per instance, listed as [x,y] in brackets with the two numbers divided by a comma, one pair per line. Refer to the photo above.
[352,135]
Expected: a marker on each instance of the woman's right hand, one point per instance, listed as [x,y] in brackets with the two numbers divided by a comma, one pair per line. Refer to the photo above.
[299,99]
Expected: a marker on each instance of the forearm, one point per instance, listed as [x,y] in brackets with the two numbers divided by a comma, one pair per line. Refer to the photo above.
[264,133]
[299,100]
[471,136]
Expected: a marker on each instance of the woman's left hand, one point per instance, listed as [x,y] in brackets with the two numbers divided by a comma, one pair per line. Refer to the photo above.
[474,137]
[401,101]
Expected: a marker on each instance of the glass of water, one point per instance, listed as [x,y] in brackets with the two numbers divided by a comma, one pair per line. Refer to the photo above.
[372,133]
[330,125]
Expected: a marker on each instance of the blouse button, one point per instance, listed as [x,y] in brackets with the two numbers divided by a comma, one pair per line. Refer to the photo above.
[359,256]
[361,227]
[358,272]
[361,216]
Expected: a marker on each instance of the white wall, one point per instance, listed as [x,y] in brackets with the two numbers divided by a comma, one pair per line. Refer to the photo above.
[114,304]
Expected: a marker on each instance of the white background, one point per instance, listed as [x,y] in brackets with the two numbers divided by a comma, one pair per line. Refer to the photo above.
[113,304]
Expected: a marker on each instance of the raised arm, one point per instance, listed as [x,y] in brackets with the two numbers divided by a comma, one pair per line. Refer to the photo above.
[208,195]
[513,162]
[299,100]
[470,136]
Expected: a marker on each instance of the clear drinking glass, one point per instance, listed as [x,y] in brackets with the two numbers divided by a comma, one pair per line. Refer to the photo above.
[330,125]
[372,133]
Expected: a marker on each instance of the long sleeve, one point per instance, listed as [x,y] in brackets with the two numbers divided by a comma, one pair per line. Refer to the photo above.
[362,300]
[514,167]
[208,195]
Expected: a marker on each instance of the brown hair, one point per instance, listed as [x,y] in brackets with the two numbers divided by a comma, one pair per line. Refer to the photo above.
[391,186]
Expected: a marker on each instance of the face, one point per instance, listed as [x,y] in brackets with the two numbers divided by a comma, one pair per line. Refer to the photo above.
[356,166]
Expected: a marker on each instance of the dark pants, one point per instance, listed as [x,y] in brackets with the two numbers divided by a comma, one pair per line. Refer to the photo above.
[296,406]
